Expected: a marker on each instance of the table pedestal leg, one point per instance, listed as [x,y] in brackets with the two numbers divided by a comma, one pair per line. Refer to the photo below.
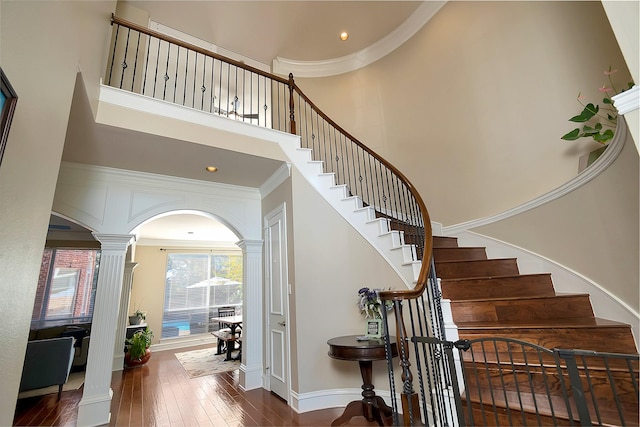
[371,407]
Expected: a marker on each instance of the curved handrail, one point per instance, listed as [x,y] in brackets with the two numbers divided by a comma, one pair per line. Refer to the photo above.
[422,209]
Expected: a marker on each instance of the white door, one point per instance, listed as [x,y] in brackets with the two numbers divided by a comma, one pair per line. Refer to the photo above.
[278,302]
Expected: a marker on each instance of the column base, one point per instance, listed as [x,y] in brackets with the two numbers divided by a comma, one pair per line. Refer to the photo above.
[95,410]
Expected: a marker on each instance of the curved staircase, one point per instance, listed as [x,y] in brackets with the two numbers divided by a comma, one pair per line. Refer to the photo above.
[491,300]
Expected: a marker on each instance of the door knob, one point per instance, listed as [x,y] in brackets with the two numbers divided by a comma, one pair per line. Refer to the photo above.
[282,323]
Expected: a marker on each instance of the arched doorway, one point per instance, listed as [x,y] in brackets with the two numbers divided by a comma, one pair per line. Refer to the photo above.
[188,268]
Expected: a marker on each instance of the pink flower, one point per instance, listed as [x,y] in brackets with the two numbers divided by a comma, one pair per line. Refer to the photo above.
[605,89]
[608,73]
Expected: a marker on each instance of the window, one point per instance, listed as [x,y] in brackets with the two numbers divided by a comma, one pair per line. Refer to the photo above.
[197,284]
[66,286]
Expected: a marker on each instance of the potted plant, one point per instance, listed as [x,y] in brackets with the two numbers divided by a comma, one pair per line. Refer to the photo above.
[599,123]
[137,317]
[371,306]
[137,348]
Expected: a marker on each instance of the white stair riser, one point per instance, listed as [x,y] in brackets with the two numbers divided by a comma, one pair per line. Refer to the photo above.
[389,243]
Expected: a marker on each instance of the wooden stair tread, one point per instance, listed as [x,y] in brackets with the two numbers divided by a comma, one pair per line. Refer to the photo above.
[475,260]
[445,242]
[589,322]
[520,285]
[519,298]
[465,253]
[505,277]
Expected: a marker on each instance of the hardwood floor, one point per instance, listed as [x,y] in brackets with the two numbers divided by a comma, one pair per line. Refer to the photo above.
[161,393]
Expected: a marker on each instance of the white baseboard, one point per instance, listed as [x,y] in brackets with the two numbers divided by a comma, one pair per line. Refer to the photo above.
[331,398]
[173,343]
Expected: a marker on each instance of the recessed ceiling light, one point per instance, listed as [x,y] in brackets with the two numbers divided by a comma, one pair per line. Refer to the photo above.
[211,169]
[344,35]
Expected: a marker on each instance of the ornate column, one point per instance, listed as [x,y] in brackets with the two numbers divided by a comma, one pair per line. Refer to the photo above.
[252,315]
[95,404]
[123,318]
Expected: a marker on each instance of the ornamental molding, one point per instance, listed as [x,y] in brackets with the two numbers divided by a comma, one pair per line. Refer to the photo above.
[627,101]
[596,168]
[364,57]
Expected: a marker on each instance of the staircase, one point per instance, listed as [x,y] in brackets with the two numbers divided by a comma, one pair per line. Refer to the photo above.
[490,299]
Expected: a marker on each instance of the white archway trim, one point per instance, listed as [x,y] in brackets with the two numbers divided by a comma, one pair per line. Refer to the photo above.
[118,201]
[599,166]
[364,57]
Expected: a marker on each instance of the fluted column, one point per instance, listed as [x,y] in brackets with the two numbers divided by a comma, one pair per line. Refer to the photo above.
[123,318]
[95,404]
[252,315]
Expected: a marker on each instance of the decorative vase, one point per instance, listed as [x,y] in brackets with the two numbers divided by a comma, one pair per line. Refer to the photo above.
[134,320]
[129,362]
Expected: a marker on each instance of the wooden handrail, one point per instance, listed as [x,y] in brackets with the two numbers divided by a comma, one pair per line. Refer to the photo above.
[428,246]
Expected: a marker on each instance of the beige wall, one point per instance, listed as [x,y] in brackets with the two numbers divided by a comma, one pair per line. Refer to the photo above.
[593,230]
[43,77]
[625,17]
[147,289]
[472,108]
[332,262]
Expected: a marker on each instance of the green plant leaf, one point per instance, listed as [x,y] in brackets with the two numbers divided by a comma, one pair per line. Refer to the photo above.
[571,136]
[589,111]
[604,136]
[612,117]
[607,101]
[588,130]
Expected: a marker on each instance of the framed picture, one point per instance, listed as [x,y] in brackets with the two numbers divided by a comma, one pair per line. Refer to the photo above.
[374,328]
[8,101]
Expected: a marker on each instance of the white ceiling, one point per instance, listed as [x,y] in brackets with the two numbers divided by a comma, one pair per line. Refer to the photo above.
[260,30]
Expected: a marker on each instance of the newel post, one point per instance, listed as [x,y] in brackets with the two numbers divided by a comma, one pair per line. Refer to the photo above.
[410,400]
[292,115]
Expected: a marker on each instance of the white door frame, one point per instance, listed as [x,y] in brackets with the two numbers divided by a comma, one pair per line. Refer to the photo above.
[280,214]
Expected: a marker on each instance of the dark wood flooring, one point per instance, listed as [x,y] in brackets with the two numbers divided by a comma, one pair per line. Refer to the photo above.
[161,393]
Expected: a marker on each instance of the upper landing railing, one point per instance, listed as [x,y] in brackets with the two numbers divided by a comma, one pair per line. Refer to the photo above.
[155,65]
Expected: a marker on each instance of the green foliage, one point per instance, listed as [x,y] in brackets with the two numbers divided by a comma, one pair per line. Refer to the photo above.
[138,344]
[599,124]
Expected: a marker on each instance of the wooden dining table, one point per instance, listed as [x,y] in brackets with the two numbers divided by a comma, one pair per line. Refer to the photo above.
[234,323]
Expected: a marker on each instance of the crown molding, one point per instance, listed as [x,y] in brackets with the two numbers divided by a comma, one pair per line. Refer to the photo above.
[627,101]
[364,57]
[276,179]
